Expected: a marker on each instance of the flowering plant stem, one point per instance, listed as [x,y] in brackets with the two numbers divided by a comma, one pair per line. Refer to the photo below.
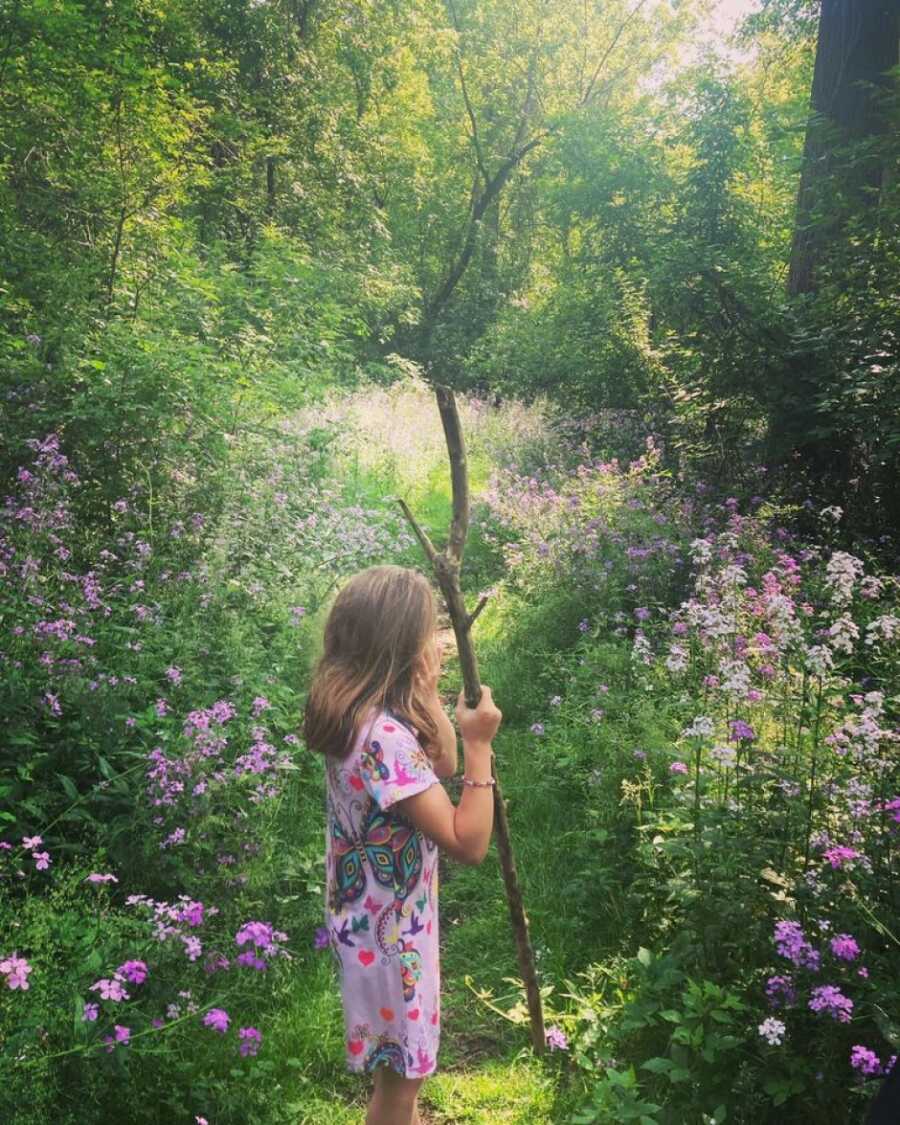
[447,565]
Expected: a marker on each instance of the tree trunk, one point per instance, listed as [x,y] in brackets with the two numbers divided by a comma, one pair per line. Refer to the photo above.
[857,46]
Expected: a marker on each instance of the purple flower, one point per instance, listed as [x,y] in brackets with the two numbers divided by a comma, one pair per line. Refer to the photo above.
[678,767]
[642,613]
[97,878]
[123,1034]
[174,674]
[584,625]
[781,992]
[90,1013]
[791,943]
[321,939]
[845,947]
[250,1040]
[537,728]
[41,860]
[828,998]
[864,1060]
[217,1019]
[556,1039]
[260,704]
[741,731]
[260,933]
[133,971]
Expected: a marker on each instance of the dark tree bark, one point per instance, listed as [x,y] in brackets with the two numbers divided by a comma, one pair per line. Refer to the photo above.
[857,47]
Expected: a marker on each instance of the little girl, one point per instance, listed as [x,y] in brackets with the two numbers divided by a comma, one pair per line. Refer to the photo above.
[375,713]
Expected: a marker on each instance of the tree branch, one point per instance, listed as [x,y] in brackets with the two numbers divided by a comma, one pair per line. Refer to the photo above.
[446,566]
[609,50]
[425,543]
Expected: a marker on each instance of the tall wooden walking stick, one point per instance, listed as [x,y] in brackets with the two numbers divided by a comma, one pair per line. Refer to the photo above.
[447,565]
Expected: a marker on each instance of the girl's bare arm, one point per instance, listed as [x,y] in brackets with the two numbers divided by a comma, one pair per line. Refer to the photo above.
[463,830]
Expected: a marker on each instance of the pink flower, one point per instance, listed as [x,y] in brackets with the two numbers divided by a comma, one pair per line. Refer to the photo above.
[123,1034]
[839,855]
[16,970]
[845,947]
[109,989]
[250,1040]
[678,767]
[217,1020]
[192,947]
[31,842]
[90,1013]
[41,860]
[97,878]
[864,1060]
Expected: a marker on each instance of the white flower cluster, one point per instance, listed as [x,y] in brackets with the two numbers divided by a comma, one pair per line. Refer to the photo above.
[701,551]
[884,628]
[735,676]
[844,634]
[772,1031]
[841,575]
[708,618]
[819,660]
[641,652]
[871,587]
[702,727]
[833,513]
[724,755]
[676,661]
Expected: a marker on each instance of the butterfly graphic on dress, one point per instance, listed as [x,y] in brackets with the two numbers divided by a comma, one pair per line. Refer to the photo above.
[390,845]
[415,926]
[372,762]
[371,905]
[343,934]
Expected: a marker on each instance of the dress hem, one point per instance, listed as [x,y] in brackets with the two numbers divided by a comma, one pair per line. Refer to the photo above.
[362,1070]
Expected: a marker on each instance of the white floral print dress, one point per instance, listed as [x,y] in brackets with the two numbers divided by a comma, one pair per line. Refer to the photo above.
[382,901]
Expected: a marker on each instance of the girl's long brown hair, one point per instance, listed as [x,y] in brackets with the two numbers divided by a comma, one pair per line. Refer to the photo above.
[375,634]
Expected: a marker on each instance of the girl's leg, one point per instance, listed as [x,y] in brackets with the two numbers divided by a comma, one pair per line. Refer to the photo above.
[394,1099]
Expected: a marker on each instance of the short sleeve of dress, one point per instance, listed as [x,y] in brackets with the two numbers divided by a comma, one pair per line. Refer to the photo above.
[392,763]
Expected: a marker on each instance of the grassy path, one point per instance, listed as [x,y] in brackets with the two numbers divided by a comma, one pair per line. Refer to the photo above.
[487,1073]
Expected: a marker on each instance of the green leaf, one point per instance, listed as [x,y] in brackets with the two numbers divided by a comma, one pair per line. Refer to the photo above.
[658,1065]
[644,956]
[69,786]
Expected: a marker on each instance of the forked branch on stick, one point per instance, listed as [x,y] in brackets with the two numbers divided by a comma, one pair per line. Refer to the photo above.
[447,565]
